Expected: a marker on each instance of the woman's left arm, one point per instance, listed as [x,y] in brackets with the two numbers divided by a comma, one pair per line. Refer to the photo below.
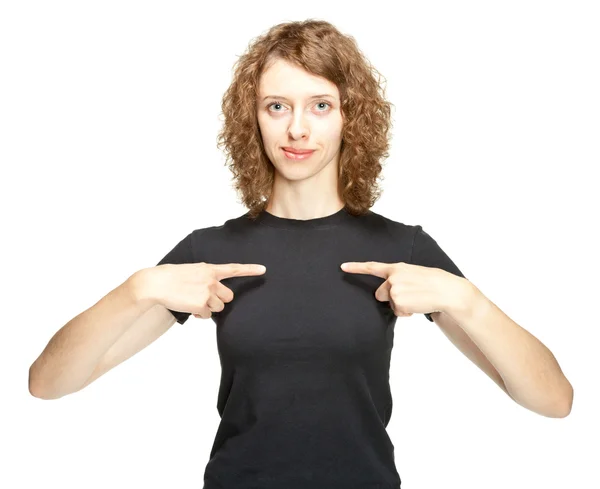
[530,371]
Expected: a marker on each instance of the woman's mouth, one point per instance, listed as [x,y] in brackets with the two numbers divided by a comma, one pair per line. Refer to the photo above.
[297,156]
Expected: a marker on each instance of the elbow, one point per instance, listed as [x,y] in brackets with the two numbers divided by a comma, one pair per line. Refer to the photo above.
[563,407]
[561,413]
[568,403]
[40,393]
[36,387]
[33,384]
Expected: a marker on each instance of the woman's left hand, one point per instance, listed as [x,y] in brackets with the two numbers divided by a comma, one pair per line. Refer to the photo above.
[410,289]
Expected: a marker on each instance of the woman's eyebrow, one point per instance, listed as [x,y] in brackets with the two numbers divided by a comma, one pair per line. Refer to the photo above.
[314,96]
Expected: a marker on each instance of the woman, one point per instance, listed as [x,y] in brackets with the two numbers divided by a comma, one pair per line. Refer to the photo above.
[305,287]
[305,347]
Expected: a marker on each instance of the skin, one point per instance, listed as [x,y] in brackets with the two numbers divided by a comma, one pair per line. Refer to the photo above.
[303,189]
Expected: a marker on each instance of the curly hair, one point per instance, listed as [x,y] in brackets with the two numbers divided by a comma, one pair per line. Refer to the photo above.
[320,49]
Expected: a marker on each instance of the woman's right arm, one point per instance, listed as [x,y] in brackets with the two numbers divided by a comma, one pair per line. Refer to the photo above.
[74,354]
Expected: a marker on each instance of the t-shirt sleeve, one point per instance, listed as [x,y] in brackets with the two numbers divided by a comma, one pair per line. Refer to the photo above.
[180,254]
[428,253]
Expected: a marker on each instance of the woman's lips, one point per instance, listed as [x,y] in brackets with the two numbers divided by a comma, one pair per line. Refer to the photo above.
[297,156]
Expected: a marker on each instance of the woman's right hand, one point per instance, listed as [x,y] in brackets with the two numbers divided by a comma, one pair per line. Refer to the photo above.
[196,287]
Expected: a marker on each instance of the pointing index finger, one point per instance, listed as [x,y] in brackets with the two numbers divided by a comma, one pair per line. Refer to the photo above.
[226,270]
[369,267]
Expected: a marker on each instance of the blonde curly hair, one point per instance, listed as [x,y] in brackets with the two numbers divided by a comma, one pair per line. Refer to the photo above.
[320,49]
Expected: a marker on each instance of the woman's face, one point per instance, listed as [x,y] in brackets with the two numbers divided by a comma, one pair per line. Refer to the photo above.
[295,117]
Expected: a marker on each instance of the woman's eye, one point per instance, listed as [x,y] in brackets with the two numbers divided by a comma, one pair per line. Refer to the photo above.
[318,103]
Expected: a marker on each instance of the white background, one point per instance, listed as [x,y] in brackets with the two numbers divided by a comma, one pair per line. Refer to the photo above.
[109,116]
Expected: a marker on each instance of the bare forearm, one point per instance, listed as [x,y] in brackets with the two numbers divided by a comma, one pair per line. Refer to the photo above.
[530,371]
[74,351]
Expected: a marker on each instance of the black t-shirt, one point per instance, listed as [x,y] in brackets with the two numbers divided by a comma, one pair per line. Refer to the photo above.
[305,349]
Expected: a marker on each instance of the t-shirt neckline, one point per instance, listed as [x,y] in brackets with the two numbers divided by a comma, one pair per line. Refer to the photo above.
[338,217]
